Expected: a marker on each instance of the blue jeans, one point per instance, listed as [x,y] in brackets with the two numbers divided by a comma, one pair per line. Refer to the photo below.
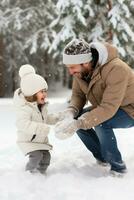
[102,141]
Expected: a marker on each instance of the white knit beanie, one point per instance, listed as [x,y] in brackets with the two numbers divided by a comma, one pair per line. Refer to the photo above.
[77,52]
[31,83]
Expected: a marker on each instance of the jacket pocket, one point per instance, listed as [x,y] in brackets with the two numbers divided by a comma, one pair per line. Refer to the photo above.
[33,137]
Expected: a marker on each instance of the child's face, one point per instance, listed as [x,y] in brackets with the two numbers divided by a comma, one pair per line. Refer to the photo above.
[41,96]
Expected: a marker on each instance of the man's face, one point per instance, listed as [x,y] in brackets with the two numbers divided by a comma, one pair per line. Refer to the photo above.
[80,70]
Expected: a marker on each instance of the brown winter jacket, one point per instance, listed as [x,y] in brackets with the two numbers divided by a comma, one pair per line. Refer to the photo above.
[111,87]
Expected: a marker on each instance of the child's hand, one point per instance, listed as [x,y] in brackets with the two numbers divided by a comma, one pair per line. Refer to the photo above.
[66,128]
[53,118]
[66,114]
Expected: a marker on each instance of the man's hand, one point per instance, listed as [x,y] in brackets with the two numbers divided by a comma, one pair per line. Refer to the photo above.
[66,114]
[66,128]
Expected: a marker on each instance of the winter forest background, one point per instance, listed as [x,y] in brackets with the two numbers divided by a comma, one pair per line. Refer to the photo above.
[36,32]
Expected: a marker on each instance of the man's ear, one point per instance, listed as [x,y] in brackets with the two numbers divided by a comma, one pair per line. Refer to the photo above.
[86,64]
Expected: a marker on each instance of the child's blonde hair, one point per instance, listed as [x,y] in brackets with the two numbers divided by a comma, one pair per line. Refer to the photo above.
[32,98]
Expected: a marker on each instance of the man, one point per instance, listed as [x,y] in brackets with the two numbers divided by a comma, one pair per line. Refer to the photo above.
[107,82]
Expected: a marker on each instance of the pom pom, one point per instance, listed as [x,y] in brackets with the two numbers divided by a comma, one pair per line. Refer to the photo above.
[26,70]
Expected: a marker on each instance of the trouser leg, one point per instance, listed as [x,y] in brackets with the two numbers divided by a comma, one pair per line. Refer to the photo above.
[45,161]
[104,141]
[108,142]
[34,159]
[109,148]
[91,141]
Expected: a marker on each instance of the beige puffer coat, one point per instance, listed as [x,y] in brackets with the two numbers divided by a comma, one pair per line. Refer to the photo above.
[32,130]
[111,87]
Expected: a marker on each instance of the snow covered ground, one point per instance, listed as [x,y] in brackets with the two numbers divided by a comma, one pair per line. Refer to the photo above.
[73,173]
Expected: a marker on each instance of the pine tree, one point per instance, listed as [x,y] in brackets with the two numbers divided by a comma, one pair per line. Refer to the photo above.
[96,20]
[25,27]
[121,21]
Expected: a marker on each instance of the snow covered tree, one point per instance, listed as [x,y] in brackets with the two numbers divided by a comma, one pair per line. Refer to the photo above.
[121,21]
[2,71]
[96,20]
[25,27]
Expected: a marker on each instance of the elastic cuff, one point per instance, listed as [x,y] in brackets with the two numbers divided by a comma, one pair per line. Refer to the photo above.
[74,110]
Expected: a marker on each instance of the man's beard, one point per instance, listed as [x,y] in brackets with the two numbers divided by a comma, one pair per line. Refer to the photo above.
[86,75]
[81,75]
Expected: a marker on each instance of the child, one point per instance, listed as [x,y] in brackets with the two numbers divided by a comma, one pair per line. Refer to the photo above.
[30,102]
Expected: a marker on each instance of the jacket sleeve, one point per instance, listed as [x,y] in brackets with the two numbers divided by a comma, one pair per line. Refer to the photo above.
[116,85]
[25,124]
[78,98]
